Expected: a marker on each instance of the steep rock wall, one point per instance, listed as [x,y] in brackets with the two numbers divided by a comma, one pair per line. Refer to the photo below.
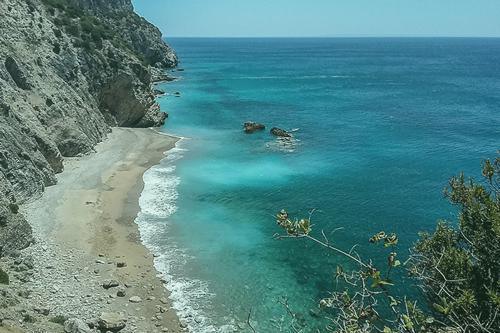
[69,69]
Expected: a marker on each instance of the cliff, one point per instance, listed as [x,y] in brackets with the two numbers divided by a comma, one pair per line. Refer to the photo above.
[69,70]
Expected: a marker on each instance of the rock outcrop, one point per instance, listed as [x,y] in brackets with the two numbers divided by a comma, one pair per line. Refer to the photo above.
[280,132]
[69,69]
[251,127]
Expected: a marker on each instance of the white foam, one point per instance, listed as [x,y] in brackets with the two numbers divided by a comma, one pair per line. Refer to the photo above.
[158,202]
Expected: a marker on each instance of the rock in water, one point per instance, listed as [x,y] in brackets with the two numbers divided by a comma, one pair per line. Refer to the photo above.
[76,326]
[251,127]
[111,321]
[280,132]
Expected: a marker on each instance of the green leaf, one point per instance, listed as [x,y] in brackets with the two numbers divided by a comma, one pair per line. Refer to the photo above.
[394,302]
[385,283]
[441,309]
[340,271]
[408,323]
[387,330]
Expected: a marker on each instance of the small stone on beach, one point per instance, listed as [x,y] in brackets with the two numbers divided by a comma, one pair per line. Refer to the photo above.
[135,299]
[110,284]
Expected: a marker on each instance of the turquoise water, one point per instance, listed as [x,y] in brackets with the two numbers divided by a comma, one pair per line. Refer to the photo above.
[381,125]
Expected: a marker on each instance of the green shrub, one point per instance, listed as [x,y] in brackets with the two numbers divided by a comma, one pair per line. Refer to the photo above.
[4,277]
[59,319]
[74,12]
[57,33]
[463,262]
[73,29]
[57,48]
[59,4]
[84,43]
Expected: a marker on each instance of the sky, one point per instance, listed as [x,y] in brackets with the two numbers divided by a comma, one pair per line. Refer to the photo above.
[323,18]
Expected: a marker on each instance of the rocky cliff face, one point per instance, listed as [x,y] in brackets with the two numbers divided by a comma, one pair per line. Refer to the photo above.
[69,69]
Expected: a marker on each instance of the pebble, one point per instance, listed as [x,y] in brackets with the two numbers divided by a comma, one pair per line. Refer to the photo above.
[121,292]
[110,284]
[135,299]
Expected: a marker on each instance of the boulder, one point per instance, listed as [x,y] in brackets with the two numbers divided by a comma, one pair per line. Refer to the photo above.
[158,92]
[250,127]
[17,73]
[280,132]
[121,292]
[135,299]
[75,325]
[110,284]
[111,321]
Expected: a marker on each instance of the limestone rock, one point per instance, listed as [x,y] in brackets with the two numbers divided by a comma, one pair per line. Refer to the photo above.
[280,132]
[135,299]
[76,326]
[251,127]
[121,292]
[110,284]
[59,97]
[111,321]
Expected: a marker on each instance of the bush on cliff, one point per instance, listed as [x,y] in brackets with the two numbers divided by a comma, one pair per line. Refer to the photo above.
[457,267]
[59,4]
[4,277]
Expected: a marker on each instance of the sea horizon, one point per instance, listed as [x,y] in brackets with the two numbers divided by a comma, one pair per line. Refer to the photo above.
[330,37]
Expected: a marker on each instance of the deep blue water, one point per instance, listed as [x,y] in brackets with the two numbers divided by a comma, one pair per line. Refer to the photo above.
[382,125]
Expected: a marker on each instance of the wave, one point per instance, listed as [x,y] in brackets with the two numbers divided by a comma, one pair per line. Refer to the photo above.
[158,202]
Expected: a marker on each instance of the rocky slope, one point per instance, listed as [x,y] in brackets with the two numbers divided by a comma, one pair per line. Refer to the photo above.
[69,69]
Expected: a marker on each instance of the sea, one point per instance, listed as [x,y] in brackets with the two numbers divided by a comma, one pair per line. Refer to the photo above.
[379,127]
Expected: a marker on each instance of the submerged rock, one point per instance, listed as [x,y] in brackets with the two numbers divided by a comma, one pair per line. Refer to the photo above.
[158,92]
[280,132]
[251,127]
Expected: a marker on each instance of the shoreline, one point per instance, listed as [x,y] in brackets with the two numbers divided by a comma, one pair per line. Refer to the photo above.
[87,237]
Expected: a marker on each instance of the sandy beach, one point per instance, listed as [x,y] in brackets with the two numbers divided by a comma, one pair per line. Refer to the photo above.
[88,242]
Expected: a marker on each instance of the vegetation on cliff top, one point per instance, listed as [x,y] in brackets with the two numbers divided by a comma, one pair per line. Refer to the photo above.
[456,267]
[89,30]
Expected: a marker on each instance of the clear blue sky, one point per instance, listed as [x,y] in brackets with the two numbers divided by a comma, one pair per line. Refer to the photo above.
[323,18]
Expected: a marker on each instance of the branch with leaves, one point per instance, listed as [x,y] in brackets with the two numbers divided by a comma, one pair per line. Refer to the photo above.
[363,294]
[457,268]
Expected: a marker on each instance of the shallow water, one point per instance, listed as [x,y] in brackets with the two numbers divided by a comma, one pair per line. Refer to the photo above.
[382,125]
